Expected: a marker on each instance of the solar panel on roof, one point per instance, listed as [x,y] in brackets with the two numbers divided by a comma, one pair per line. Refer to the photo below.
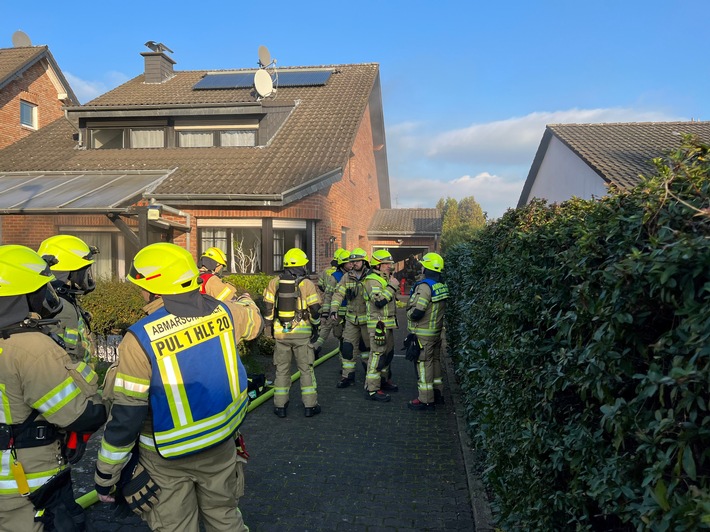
[245,80]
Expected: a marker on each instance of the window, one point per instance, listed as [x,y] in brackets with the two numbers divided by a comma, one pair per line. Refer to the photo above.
[209,139]
[28,114]
[242,245]
[104,139]
[148,138]
[285,239]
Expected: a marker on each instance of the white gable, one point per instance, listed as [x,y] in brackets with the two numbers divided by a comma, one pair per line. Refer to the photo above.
[563,174]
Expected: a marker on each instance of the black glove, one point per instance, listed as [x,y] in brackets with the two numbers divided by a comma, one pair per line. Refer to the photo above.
[411,347]
[380,337]
[141,492]
[269,329]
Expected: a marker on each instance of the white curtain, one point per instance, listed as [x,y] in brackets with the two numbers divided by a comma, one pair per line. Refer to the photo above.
[195,139]
[238,138]
[147,138]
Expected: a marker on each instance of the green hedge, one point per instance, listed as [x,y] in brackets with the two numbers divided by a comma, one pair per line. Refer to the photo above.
[581,336]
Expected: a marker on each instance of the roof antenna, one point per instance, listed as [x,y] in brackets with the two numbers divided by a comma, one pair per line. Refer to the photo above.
[20,39]
[265,82]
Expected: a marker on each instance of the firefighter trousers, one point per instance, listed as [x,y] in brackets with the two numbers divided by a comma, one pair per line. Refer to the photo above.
[355,347]
[200,486]
[429,368]
[378,357]
[284,351]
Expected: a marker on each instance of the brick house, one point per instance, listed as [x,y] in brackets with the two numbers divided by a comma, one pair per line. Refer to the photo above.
[33,91]
[200,159]
[583,159]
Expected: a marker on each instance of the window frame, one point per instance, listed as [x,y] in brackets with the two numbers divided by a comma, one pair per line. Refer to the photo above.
[32,107]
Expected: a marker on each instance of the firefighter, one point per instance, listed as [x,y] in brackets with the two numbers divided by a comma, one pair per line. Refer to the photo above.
[425,319]
[324,276]
[292,311]
[380,293]
[187,464]
[211,263]
[41,391]
[74,277]
[330,284]
[356,339]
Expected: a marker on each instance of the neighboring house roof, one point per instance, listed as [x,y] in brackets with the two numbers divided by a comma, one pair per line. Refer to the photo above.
[307,154]
[14,62]
[618,153]
[405,222]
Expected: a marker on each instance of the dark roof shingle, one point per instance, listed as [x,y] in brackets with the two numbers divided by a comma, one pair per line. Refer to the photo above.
[314,142]
[619,153]
[403,222]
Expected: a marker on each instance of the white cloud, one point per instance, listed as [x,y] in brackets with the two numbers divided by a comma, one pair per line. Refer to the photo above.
[88,90]
[493,193]
[515,140]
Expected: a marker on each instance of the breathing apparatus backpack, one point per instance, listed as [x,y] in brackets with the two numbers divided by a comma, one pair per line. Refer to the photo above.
[287,294]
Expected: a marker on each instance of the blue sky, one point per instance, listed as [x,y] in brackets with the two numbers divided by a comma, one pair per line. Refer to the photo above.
[468,86]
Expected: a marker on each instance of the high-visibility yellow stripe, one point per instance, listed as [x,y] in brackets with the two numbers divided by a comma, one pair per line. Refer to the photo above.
[131,386]
[230,363]
[206,425]
[57,398]
[8,484]
[111,454]
[5,415]
[175,390]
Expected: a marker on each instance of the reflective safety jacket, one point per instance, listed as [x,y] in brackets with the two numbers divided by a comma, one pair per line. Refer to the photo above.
[130,418]
[213,286]
[198,386]
[428,296]
[73,328]
[35,373]
[324,277]
[330,287]
[381,301]
[304,320]
[350,288]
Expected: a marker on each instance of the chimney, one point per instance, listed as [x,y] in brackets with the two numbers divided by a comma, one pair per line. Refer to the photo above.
[158,67]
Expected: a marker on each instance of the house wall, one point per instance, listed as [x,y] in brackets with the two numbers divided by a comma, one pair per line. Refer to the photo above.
[35,87]
[352,202]
[563,175]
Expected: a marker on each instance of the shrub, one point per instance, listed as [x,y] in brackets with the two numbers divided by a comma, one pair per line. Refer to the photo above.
[581,334]
[114,306]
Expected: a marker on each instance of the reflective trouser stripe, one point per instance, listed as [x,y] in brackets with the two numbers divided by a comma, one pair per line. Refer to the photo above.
[422,384]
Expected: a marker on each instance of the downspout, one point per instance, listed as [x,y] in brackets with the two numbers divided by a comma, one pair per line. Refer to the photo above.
[81,141]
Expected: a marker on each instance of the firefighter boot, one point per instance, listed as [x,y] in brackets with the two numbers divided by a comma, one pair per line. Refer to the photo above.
[378,396]
[311,411]
[388,386]
[281,410]
[344,382]
[416,404]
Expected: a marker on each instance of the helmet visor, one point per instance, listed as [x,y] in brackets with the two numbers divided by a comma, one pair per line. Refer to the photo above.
[83,280]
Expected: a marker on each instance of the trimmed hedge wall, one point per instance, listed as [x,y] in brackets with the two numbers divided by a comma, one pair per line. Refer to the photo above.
[581,338]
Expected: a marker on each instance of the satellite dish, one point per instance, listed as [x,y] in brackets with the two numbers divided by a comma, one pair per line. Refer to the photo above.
[20,39]
[263,84]
[264,56]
